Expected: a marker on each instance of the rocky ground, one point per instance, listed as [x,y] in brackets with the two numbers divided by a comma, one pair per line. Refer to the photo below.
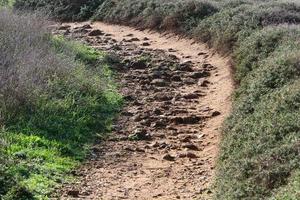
[164,142]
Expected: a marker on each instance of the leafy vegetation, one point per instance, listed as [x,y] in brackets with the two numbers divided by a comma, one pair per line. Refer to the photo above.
[57,96]
[62,9]
[259,156]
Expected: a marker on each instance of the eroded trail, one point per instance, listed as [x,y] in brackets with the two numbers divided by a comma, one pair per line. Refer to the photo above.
[165,141]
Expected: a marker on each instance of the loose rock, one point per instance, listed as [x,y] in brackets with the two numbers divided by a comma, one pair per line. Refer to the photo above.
[145,44]
[95,33]
[169,157]
[73,193]
[138,65]
[191,147]
[187,120]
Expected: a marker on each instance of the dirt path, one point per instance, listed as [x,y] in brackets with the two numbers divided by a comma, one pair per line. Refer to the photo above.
[165,141]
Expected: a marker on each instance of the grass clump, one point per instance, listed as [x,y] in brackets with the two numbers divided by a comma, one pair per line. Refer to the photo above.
[57,96]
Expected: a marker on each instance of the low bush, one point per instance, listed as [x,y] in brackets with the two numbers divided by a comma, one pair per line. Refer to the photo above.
[62,9]
[57,96]
[179,16]
[223,30]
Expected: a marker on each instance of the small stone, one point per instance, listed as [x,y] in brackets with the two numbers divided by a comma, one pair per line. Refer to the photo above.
[186,139]
[191,96]
[157,111]
[202,74]
[145,122]
[86,26]
[185,67]
[140,134]
[145,44]
[203,83]
[129,98]
[138,118]
[159,124]
[163,96]
[182,155]
[191,155]
[140,150]
[190,81]
[127,113]
[187,120]
[215,114]
[172,50]
[159,82]
[169,157]
[134,39]
[155,144]
[138,65]
[176,78]
[73,193]
[128,148]
[191,147]
[207,66]
[173,57]
[95,33]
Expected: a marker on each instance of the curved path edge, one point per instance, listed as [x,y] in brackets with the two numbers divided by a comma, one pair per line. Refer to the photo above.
[101,178]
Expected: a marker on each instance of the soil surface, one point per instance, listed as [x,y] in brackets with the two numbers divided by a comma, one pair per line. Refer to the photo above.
[164,143]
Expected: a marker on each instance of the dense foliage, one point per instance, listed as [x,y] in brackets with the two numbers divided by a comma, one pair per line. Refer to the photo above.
[62,9]
[260,151]
[56,97]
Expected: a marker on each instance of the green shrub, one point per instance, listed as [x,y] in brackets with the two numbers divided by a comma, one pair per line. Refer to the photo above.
[57,96]
[259,149]
[63,10]
[226,27]
[171,15]
[256,48]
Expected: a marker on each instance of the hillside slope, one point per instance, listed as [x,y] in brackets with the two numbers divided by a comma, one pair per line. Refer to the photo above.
[259,157]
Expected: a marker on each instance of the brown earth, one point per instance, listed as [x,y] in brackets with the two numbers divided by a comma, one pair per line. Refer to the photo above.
[165,141]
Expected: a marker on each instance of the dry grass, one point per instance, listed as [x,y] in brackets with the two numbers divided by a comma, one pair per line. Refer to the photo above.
[25,60]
